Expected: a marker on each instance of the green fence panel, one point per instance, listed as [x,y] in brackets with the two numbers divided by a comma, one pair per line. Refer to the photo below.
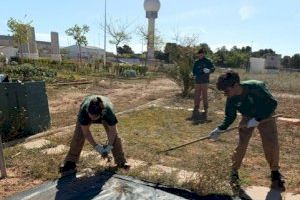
[25,109]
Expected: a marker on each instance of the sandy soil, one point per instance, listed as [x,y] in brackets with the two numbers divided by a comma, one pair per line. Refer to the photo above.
[66,99]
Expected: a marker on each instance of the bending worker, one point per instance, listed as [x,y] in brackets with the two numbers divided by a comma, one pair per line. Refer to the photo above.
[253,100]
[95,109]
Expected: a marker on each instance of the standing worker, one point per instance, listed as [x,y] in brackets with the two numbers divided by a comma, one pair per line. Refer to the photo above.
[95,109]
[202,68]
[253,100]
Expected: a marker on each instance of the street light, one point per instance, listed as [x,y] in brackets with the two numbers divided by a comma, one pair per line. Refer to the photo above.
[104,58]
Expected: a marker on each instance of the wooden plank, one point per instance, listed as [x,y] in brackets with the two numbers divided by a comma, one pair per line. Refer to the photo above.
[2,161]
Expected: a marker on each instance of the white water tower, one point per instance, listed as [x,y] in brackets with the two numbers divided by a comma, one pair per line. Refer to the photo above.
[151,7]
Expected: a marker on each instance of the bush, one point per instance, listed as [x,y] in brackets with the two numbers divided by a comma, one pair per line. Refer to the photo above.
[2,58]
[181,73]
[139,70]
[27,72]
[129,73]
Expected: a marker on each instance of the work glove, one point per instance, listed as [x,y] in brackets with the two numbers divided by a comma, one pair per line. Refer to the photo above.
[215,133]
[103,150]
[252,123]
[99,148]
[206,70]
[107,149]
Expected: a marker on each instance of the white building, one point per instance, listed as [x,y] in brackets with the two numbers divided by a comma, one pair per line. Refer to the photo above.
[8,51]
[269,64]
[87,52]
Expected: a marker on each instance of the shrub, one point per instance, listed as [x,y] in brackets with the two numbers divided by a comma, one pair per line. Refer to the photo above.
[27,72]
[129,73]
[181,73]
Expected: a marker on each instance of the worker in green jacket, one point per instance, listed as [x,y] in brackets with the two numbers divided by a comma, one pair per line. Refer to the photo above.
[253,100]
[95,109]
[202,68]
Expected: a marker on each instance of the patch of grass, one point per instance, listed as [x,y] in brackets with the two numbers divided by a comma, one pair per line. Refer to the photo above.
[145,132]
[33,163]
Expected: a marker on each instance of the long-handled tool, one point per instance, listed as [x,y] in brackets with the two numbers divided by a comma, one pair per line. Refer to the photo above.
[207,137]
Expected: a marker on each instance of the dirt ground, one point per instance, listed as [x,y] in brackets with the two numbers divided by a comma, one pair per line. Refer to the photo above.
[64,102]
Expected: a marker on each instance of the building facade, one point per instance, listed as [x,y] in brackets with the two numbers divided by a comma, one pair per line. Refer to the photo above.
[32,49]
[87,52]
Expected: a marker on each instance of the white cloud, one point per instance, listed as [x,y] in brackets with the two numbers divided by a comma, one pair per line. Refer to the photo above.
[246,11]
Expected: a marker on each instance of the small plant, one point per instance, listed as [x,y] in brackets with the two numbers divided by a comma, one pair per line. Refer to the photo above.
[182,71]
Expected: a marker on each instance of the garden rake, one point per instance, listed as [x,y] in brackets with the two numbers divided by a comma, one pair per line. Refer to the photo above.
[207,137]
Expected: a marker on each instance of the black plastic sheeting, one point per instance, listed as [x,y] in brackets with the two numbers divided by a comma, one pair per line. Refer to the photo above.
[107,186]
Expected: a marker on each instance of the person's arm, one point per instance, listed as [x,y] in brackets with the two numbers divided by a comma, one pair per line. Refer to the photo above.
[111,132]
[230,115]
[88,135]
[195,70]
[211,67]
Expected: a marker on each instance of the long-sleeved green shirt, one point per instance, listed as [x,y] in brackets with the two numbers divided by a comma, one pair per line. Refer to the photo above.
[198,67]
[255,101]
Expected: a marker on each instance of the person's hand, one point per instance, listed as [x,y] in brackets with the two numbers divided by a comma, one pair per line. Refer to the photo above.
[206,70]
[99,148]
[215,133]
[107,149]
[252,123]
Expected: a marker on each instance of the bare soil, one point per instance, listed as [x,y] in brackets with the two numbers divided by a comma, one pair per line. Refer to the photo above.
[64,102]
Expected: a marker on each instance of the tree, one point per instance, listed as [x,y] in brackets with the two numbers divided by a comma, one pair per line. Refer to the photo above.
[236,59]
[20,32]
[181,74]
[183,57]
[262,53]
[158,41]
[119,34]
[78,34]
[125,50]
[160,56]
[295,61]
[205,46]
[285,61]
[171,52]
[220,56]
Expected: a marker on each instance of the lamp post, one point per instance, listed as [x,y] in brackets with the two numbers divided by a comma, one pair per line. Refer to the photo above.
[104,57]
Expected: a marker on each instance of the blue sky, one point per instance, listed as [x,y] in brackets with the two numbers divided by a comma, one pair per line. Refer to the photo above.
[258,23]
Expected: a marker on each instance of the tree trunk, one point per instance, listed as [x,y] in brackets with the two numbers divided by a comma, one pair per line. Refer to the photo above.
[80,59]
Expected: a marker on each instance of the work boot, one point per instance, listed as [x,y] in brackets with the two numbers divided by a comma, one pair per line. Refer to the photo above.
[277,180]
[205,115]
[68,168]
[124,166]
[235,183]
[196,115]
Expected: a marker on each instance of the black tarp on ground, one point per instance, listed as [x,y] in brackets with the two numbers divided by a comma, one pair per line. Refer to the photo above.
[107,186]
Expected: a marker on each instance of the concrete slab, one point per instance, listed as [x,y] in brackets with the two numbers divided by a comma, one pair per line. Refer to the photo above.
[265,193]
[36,144]
[56,150]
